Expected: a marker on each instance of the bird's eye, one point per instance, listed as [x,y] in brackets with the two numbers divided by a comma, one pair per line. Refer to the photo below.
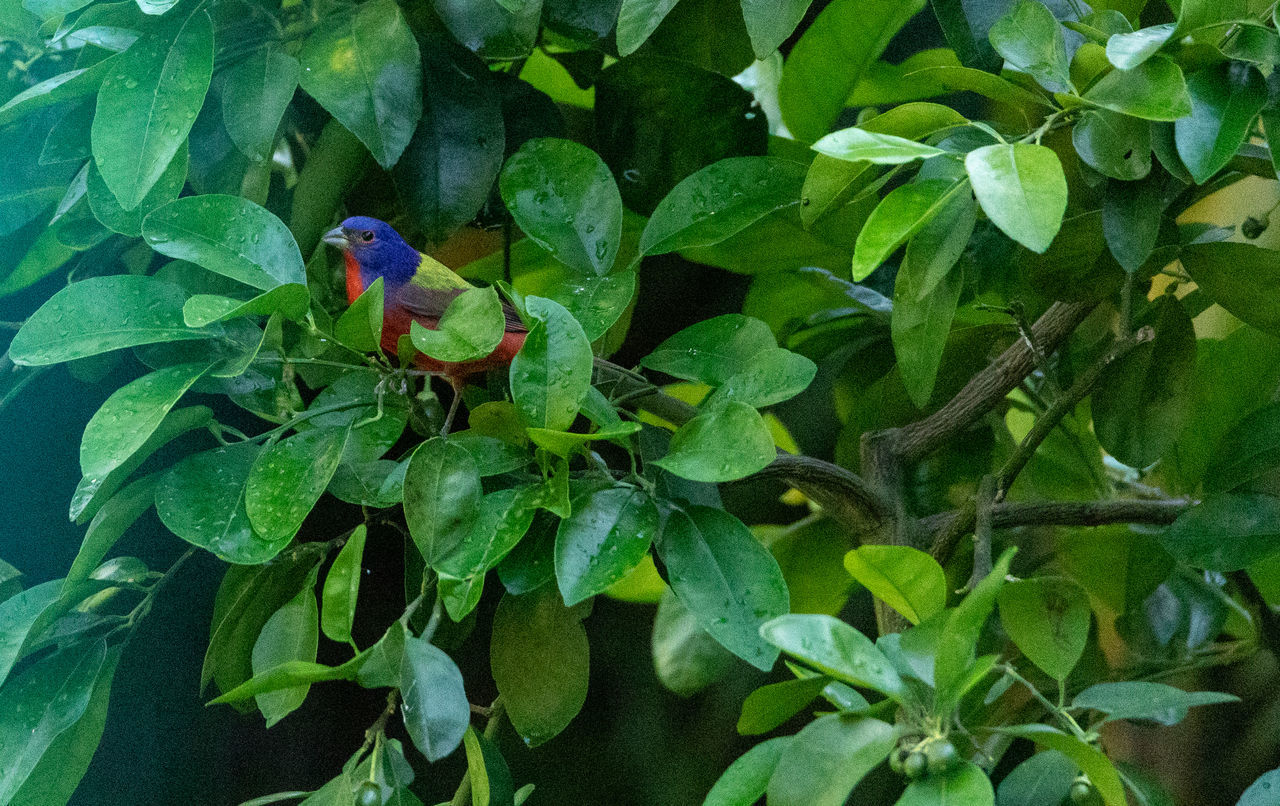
[366,236]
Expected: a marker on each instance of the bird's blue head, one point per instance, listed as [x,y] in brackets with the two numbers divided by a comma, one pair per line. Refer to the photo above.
[377,249]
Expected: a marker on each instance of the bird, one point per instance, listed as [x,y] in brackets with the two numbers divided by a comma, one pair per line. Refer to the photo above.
[416,288]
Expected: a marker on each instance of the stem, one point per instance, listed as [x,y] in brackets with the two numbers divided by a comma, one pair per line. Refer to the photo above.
[1062,715]
[497,709]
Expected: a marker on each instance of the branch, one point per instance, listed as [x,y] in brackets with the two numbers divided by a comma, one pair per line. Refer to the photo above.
[1268,618]
[990,386]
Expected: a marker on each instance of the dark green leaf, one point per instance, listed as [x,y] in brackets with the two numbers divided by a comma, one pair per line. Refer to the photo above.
[964,784]
[366,70]
[1115,145]
[360,325]
[381,666]
[1131,215]
[770,22]
[834,648]
[1048,618]
[53,90]
[637,19]
[1249,450]
[725,578]
[494,29]
[824,762]
[102,314]
[1224,102]
[288,478]
[774,376]
[434,704]
[1226,532]
[488,772]
[291,634]
[471,327]
[965,79]
[899,216]
[768,707]
[256,93]
[1022,189]
[342,587]
[291,674]
[1046,777]
[564,197]
[1031,40]
[1154,90]
[686,659]
[906,579]
[1136,699]
[958,641]
[441,497]
[228,235]
[148,102]
[18,616]
[747,778]
[840,46]
[111,521]
[539,658]
[1240,277]
[551,373]
[596,302]
[712,351]
[502,519]
[1087,758]
[607,535]
[129,222]
[1141,402]
[730,442]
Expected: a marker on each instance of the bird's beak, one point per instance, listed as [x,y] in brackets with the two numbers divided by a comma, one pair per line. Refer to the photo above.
[336,237]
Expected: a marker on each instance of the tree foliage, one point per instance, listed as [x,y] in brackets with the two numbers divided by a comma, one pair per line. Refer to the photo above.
[1001,293]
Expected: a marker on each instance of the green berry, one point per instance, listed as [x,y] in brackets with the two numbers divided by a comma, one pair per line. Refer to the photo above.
[941,756]
[1081,791]
[369,794]
[897,759]
[915,765]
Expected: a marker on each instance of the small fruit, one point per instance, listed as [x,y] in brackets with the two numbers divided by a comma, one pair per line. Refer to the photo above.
[1081,791]
[941,756]
[369,794]
[915,765]
[897,759]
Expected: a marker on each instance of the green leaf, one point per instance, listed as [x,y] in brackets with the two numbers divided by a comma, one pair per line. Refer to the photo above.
[957,644]
[255,95]
[1128,50]
[1154,90]
[966,79]
[488,772]
[596,302]
[727,443]
[834,648]
[1022,189]
[563,196]
[441,497]
[40,704]
[365,69]
[498,29]
[202,500]
[1241,277]
[551,373]
[100,314]
[607,535]
[907,579]
[1224,102]
[291,674]
[1226,532]
[964,784]
[342,587]
[854,145]
[1046,777]
[287,479]
[1115,145]
[770,706]
[1131,216]
[110,523]
[1251,449]
[564,443]
[774,376]
[502,519]
[1048,618]
[1262,791]
[291,634]
[747,778]
[18,616]
[360,325]
[835,51]
[228,235]
[135,133]
[435,708]
[448,169]
[53,90]
[899,216]
[721,200]
[540,662]
[712,351]
[925,294]
[686,659]
[725,578]
[129,222]
[637,19]
[291,299]
[770,22]
[1031,40]
[470,328]
[381,665]
[1141,402]
[825,761]
[1090,760]
[1137,699]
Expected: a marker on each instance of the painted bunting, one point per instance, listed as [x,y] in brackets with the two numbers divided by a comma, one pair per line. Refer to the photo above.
[416,288]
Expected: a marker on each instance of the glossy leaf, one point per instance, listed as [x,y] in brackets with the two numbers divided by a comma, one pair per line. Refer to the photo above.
[964,784]
[434,705]
[607,535]
[1115,145]
[770,22]
[360,325]
[770,706]
[551,373]
[1046,777]
[441,497]
[727,443]
[596,302]
[1262,791]
[563,196]
[471,327]
[686,659]
[1154,90]
[18,617]
[100,314]
[135,134]
[365,70]
[501,29]
[291,634]
[747,778]
[720,200]
[907,579]
[1022,189]
[712,351]
[1128,50]
[228,235]
[957,643]
[381,665]
[725,578]
[637,19]
[1138,699]
[1131,215]
[834,648]
[1218,269]
[256,93]
[288,478]
[342,588]
[773,376]
[1048,619]
[539,658]
[854,145]
[108,211]
[824,762]
[110,523]
[1224,102]
[900,215]
[835,51]
[1226,532]
[1087,758]
[1031,40]
[503,518]
[564,443]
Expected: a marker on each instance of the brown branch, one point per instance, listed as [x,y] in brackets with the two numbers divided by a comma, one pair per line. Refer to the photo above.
[989,387]
[1268,618]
